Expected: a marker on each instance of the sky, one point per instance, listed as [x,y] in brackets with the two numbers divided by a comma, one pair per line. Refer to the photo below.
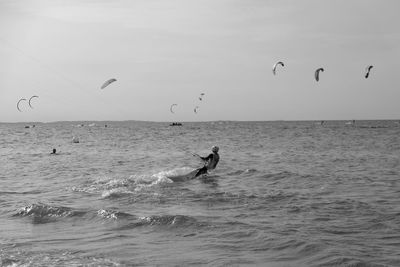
[165,52]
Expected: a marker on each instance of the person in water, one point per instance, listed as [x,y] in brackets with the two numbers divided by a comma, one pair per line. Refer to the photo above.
[54,151]
[210,162]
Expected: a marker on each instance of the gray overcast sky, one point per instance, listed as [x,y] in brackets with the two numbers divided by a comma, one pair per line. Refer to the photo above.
[169,51]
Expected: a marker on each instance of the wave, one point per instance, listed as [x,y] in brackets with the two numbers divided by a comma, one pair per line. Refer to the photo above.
[54,258]
[34,192]
[245,171]
[348,262]
[42,213]
[175,221]
[285,175]
[115,215]
[345,207]
[43,210]
[116,193]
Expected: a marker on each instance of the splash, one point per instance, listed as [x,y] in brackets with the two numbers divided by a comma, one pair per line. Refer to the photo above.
[111,187]
[178,174]
[142,182]
[102,184]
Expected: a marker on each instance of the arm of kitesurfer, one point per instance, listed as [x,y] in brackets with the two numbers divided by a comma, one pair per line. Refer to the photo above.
[197,155]
[205,159]
[208,157]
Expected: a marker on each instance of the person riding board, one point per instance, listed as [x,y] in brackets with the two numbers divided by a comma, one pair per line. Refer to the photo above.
[210,162]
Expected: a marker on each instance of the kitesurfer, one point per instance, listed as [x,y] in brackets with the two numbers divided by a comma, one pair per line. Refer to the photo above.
[210,162]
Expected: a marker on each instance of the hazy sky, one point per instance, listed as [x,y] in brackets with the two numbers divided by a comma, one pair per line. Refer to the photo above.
[169,51]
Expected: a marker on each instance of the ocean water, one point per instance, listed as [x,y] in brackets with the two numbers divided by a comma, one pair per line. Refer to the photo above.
[283,194]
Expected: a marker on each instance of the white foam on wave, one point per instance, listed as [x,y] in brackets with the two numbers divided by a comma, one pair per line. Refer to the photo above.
[107,214]
[116,192]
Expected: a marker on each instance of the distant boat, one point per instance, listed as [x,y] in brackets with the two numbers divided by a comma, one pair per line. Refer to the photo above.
[176,124]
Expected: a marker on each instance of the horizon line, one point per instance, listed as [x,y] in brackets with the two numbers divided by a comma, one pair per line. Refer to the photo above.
[144,121]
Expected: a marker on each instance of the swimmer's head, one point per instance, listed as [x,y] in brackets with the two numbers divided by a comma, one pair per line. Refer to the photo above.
[215,149]
[54,151]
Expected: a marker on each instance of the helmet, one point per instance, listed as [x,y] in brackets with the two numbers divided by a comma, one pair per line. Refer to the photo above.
[215,149]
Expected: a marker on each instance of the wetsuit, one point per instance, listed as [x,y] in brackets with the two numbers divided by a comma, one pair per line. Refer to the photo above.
[211,162]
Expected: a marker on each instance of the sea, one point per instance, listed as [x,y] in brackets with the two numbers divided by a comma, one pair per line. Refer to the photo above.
[285,193]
